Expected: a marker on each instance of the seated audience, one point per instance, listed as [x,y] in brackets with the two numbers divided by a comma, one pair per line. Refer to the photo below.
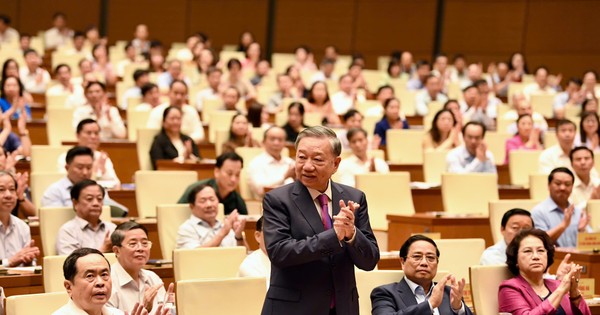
[319,102]
[444,134]
[513,221]
[529,256]
[473,156]
[522,107]
[258,116]
[589,131]
[140,40]
[225,183]
[488,100]
[352,119]
[393,118]
[103,170]
[528,137]
[572,97]
[343,100]
[240,135]
[416,293]
[131,283]
[561,219]
[17,247]
[295,122]
[35,78]
[417,81]
[190,124]
[540,86]
[271,169]
[203,229]
[150,97]
[97,108]
[304,58]
[298,84]
[174,72]
[62,74]
[231,98]
[13,101]
[141,78]
[257,263]
[212,92]
[431,93]
[102,66]
[558,154]
[361,161]
[383,93]
[59,34]
[24,206]
[585,186]
[250,64]
[325,72]
[589,105]
[86,229]
[131,58]
[285,89]
[235,78]
[454,107]
[170,143]
[472,108]
[8,35]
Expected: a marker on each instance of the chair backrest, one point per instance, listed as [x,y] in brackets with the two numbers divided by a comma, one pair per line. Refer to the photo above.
[468,193]
[39,182]
[434,165]
[550,138]
[219,120]
[60,125]
[136,119]
[593,208]
[214,296]
[168,219]
[404,146]
[485,282]
[499,207]
[538,186]
[41,303]
[44,158]
[56,101]
[366,281]
[221,137]
[52,218]
[521,163]
[207,263]
[160,187]
[145,137]
[542,103]
[313,119]
[248,154]
[387,194]
[53,271]
[457,255]
[496,142]
[407,101]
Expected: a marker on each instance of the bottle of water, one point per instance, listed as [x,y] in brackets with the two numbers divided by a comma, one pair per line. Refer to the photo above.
[170,304]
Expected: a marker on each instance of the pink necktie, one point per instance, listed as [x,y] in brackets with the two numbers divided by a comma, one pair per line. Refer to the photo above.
[323,200]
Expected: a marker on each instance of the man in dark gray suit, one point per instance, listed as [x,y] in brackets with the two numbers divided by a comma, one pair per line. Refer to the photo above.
[312,255]
[416,293]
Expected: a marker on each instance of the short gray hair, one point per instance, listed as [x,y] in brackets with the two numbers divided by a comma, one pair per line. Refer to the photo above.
[321,132]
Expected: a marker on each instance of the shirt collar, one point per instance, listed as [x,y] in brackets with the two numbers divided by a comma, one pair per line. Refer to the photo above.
[123,277]
[11,224]
[315,193]
[197,221]
[553,206]
[82,223]
[413,286]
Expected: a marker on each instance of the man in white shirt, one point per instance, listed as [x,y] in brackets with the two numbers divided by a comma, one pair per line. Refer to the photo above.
[540,86]
[7,34]
[213,76]
[585,186]
[513,221]
[191,124]
[270,168]
[360,161]
[431,93]
[572,97]
[140,77]
[62,74]
[326,72]
[150,97]
[34,78]
[523,107]
[473,156]
[558,154]
[59,34]
[174,72]
[343,100]
[257,264]
[285,89]
[472,108]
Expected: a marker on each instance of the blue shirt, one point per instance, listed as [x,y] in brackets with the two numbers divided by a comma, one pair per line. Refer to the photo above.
[12,143]
[547,215]
[383,125]
[459,160]
[5,105]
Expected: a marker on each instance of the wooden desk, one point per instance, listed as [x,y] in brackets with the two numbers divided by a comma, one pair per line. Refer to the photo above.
[125,197]
[123,154]
[589,260]
[416,172]
[22,284]
[205,168]
[401,227]
[37,130]
[430,199]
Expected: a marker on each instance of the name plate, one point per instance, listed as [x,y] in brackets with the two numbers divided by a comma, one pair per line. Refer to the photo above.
[588,241]
[586,287]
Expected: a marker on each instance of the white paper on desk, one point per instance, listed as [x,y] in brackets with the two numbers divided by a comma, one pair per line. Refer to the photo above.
[423,185]
[21,270]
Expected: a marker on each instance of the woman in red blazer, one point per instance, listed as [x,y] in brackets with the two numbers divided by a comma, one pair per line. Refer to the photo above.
[528,257]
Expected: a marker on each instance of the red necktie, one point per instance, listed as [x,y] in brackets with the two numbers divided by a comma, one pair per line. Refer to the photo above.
[324,201]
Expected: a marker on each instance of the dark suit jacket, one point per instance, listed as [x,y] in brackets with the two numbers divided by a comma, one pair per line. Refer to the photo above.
[163,149]
[309,264]
[397,299]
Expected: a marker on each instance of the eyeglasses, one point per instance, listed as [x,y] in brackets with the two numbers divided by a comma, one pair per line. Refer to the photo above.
[134,245]
[529,252]
[428,258]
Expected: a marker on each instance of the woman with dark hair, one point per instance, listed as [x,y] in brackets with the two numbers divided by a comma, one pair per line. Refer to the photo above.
[304,58]
[295,122]
[319,102]
[235,78]
[103,65]
[517,66]
[528,137]
[246,38]
[239,135]
[258,116]
[393,118]
[588,88]
[10,68]
[252,58]
[444,133]
[528,257]
[205,60]
[107,116]
[589,132]
[294,73]
[12,100]
[170,143]
[394,71]
[589,105]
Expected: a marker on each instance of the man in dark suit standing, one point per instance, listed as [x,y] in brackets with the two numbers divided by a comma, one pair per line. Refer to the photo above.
[416,293]
[312,255]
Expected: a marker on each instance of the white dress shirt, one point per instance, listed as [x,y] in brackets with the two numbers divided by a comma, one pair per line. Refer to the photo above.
[13,238]
[341,102]
[190,124]
[109,128]
[494,255]
[29,79]
[125,292]
[206,94]
[459,160]
[257,264]
[195,232]
[54,38]
[421,297]
[265,171]
[422,100]
[78,233]
[72,309]
[581,192]
[352,166]
[60,89]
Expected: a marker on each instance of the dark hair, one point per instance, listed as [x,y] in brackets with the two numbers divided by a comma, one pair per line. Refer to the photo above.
[450,101]
[327,61]
[575,80]
[191,197]
[418,237]
[512,250]
[560,170]
[298,105]
[62,65]
[422,62]
[259,224]
[77,151]
[19,83]
[212,70]
[155,44]
[311,98]
[585,103]
[178,81]
[472,86]
[512,212]
[78,187]
[563,122]
[541,68]
[98,83]
[232,62]
[167,111]
[429,77]
[228,156]
[117,237]
[592,72]
[5,66]
[305,48]
[434,132]
[510,64]
[458,56]
[59,14]
[387,102]
[137,74]
[391,64]
[70,264]
[479,83]
[352,132]
[585,115]
[255,113]
[579,148]
[84,122]
[128,45]
[5,173]
[350,113]
[520,118]
[383,87]
[146,88]
[5,19]
[78,34]
[474,123]
[29,51]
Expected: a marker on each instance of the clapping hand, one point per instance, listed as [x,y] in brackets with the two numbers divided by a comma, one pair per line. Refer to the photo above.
[343,222]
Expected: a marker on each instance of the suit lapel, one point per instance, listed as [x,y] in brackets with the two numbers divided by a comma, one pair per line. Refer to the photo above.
[532,295]
[306,206]
[407,296]
[337,194]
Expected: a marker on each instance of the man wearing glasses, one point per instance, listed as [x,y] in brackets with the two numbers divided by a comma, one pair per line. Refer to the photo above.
[416,293]
[131,283]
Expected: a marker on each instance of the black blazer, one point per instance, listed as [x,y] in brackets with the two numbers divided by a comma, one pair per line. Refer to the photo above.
[163,149]
[398,299]
[309,264]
